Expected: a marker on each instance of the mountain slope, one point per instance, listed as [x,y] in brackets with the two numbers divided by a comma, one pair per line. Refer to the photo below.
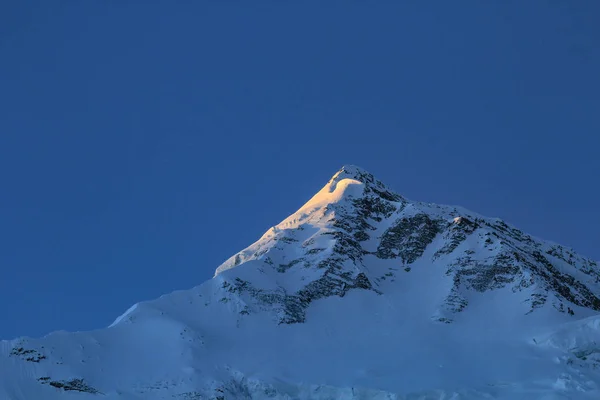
[361,293]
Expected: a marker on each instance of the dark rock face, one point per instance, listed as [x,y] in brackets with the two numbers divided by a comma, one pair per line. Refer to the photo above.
[455,234]
[75,385]
[346,247]
[30,355]
[291,308]
[563,284]
[520,265]
[284,267]
[455,301]
[408,238]
[587,266]
[492,273]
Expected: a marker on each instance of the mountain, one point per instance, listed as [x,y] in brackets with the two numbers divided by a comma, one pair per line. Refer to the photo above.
[360,294]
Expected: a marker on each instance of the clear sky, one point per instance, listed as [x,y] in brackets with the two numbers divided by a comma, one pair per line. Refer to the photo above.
[142,143]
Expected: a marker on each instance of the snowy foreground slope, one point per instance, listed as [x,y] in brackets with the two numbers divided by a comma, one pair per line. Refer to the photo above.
[361,294]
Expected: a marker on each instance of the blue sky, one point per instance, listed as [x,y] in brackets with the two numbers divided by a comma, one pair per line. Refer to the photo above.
[143,143]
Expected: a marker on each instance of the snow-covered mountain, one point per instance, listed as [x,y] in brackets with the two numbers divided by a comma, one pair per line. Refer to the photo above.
[360,294]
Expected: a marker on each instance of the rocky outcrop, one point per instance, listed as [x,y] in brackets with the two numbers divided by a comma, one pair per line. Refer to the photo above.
[408,238]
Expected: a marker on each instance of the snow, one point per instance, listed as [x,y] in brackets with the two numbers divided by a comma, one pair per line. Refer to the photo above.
[208,341]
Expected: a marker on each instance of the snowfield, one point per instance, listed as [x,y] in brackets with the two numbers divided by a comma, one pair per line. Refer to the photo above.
[360,294]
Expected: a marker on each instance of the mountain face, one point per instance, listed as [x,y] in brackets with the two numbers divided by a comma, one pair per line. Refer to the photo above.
[360,294]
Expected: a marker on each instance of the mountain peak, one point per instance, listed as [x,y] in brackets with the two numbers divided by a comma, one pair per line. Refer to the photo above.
[351,190]
[360,175]
[359,294]
[356,233]
[353,172]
